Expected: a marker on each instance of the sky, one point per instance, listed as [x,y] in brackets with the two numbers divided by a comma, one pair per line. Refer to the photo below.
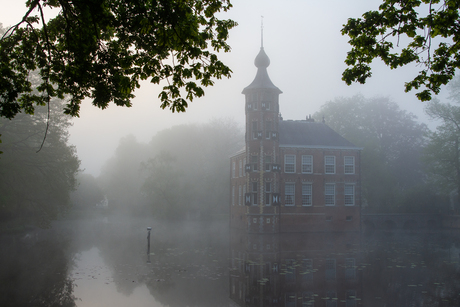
[306,49]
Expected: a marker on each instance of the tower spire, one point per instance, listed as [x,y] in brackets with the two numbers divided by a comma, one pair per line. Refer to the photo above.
[262,32]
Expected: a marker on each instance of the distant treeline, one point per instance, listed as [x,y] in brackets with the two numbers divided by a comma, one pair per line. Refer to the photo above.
[183,172]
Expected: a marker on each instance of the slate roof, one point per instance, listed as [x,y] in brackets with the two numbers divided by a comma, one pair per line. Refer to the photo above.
[302,133]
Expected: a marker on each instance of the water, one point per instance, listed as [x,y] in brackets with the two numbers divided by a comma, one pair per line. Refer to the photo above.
[105,262]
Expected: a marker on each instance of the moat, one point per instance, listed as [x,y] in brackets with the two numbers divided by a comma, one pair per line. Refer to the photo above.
[105,262]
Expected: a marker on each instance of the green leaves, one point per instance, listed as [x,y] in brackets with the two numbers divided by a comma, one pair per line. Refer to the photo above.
[35,187]
[442,154]
[429,30]
[102,49]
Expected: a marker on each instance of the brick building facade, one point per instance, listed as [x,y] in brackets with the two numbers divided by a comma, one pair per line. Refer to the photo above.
[292,176]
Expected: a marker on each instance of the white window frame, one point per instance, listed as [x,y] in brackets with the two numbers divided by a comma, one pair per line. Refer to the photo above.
[307,194]
[233,195]
[268,129]
[267,163]
[268,185]
[307,160]
[328,162]
[287,197]
[289,163]
[240,169]
[255,163]
[267,193]
[240,198]
[233,169]
[329,194]
[255,193]
[349,194]
[349,166]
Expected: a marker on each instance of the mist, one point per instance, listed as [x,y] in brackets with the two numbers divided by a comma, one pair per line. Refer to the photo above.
[133,206]
[307,55]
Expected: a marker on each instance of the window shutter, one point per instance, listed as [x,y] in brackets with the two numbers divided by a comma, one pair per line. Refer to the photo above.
[247,168]
[247,199]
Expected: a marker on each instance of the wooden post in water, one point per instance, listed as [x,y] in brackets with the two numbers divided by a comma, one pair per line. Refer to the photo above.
[148,240]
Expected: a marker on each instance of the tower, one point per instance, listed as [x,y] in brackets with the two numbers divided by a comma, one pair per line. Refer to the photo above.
[262,150]
[292,175]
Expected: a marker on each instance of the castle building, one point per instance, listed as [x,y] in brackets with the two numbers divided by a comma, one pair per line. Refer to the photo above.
[292,176]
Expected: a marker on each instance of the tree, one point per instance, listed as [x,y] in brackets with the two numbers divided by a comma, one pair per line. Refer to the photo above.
[442,154]
[392,142]
[102,49]
[424,32]
[88,193]
[120,177]
[35,187]
[201,153]
[181,173]
[163,186]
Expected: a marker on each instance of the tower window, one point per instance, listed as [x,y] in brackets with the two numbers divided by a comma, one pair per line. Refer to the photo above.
[239,196]
[255,163]
[268,129]
[267,161]
[268,187]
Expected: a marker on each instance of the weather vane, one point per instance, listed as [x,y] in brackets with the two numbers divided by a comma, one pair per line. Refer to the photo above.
[262,31]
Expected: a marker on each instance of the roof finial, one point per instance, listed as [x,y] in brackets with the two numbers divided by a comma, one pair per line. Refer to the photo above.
[262,32]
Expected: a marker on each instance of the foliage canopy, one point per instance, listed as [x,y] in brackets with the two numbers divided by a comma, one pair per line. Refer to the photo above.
[177,175]
[392,142]
[442,154]
[102,49]
[424,32]
[35,188]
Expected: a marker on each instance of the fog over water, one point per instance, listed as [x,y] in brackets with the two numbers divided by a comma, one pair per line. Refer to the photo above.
[146,167]
[104,261]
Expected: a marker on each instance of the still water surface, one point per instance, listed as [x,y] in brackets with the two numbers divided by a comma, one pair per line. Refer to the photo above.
[105,262]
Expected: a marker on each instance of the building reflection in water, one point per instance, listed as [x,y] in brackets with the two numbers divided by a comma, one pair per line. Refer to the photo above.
[314,269]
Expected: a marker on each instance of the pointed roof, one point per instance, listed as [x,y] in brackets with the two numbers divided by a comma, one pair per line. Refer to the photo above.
[262,80]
